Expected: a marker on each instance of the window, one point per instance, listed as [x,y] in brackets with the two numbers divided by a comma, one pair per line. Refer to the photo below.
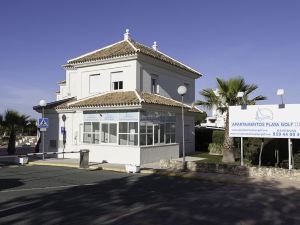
[108,133]
[154,85]
[118,85]
[170,133]
[95,83]
[146,130]
[91,132]
[162,131]
[128,133]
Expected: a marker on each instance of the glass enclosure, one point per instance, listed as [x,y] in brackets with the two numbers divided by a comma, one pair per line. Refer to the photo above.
[144,128]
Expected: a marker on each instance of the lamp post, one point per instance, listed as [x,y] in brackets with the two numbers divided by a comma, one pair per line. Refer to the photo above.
[43,104]
[64,118]
[182,91]
[280,92]
[244,106]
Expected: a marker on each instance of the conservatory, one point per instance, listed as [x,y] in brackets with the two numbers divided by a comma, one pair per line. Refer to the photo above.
[145,136]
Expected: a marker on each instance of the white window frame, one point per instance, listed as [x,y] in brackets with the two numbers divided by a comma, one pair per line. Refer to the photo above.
[154,88]
[128,133]
[118,83]
[117,136]
[90,76]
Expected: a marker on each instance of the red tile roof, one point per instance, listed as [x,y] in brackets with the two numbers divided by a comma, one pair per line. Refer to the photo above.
[127,48]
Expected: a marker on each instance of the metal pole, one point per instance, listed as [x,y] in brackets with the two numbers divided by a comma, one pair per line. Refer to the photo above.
[43,136]
[242,151]
[290,154]
[183,145]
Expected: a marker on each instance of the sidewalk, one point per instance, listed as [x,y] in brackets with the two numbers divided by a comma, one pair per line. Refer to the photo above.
[153,168]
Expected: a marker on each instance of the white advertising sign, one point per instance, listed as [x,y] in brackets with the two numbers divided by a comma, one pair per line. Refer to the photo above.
[265,121]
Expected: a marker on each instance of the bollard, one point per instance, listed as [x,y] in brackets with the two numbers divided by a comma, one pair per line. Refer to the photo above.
[84,158]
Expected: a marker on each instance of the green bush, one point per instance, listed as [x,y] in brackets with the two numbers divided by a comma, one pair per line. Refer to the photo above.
[215,149]
[203,137]
[297,161]
[218,137]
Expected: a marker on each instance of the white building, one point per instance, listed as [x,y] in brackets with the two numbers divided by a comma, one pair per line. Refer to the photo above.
[217,118]
[121,103]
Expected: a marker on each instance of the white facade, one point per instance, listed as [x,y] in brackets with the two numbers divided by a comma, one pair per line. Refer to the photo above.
[121,74]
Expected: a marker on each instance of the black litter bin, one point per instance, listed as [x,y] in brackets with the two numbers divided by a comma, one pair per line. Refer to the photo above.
[84,158]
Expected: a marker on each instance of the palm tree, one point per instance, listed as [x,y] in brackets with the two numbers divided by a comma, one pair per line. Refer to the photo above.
[223,98]
[12,121]
[31,127]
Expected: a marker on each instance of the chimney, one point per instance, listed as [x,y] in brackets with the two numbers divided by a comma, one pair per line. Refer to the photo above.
[155,46]
[127,35]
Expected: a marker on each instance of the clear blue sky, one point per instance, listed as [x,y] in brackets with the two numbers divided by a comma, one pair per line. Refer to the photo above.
[259,40]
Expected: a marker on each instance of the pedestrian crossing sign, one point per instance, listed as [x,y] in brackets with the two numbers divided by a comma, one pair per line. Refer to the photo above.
[43,123]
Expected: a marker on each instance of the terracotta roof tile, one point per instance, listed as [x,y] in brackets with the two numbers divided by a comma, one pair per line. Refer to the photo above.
[113,99]
[109,99]
[120,49]
[61,104]
[125,48]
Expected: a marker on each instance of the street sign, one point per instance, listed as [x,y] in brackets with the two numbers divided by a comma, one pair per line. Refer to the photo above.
[265,121]
[62,130]
[43,123]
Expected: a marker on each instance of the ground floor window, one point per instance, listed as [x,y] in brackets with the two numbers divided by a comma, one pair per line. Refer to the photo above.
[91,132]
[128,133]
[154,128]
[157,133]
[108,133]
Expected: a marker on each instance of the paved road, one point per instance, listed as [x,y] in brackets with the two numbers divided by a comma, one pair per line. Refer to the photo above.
[54,195]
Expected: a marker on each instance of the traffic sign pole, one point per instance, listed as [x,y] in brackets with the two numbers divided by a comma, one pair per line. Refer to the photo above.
[43,135]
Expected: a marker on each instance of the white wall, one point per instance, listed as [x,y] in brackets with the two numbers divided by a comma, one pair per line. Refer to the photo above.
[51,133]
[78,82]
[155,153]
[189,121]
[168,81]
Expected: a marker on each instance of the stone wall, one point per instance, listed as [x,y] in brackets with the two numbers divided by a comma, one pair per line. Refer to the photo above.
[270,172]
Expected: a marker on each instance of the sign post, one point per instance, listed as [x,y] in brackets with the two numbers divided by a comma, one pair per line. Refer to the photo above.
[265,121]
[290,153]
[43,124]
[242,151]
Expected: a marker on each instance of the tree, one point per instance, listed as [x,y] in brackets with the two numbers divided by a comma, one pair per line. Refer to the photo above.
[225,96]
[200,118]
[12,122]
[31,127]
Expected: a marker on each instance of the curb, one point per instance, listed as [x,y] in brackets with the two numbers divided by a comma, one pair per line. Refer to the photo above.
[51,164]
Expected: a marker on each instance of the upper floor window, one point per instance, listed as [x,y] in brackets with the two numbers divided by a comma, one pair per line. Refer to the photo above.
[117,85]
[117,79]
[154,85]
[94,83]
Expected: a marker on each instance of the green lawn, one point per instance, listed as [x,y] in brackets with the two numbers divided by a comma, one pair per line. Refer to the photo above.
[209,158]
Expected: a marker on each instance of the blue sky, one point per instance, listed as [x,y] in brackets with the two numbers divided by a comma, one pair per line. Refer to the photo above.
[256,39]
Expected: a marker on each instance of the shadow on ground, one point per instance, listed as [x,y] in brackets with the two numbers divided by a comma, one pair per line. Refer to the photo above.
[157,199]
[10,183]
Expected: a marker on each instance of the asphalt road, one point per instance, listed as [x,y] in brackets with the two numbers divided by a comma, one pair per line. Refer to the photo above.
[56,195]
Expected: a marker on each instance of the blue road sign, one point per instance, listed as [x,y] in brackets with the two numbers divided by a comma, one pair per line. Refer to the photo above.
[43,123]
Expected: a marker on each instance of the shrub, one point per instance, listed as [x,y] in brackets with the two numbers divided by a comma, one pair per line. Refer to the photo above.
[297,161]
[203,137]
[218,137]
[215,149]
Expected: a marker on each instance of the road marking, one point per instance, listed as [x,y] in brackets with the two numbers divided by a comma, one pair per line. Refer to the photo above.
[44,188]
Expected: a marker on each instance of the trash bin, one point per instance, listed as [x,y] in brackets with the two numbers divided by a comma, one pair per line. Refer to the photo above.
[84,158]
